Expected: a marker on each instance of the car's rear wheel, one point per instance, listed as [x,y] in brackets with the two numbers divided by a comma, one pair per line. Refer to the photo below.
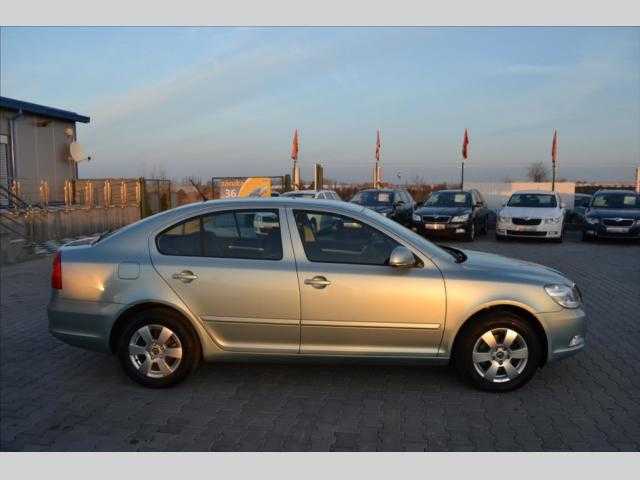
[157,349]
[498,353]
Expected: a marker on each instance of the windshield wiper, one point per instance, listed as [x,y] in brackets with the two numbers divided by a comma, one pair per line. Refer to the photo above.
[454,252]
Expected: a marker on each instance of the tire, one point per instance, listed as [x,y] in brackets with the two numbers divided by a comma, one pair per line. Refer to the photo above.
[471,233]
[179,339]
[585,237]
[500,238]
[511,373]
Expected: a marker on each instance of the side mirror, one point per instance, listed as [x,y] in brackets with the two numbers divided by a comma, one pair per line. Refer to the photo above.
[402,257]
[399,203]
[478,205]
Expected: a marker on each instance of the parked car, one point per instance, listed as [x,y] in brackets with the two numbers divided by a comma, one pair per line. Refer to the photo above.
[614,214]
[318,194]
[532,214]
[396,204]
[580,204]
[207,282]
[454,213]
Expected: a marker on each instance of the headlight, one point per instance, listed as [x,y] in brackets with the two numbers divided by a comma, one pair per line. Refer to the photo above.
[460,218]
[592,220]
[504,219]
[552,220]
[416,217]
[564,295]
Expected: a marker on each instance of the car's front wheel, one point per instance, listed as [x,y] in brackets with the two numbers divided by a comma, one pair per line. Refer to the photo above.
[471,232]
[498,352]
[157,349]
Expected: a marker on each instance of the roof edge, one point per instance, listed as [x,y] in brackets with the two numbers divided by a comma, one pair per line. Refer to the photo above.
[13,104]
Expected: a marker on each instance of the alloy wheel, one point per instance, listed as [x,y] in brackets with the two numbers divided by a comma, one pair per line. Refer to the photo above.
[155,351]
[500,355]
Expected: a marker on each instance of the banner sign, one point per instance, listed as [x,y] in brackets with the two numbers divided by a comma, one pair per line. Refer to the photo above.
[244,187]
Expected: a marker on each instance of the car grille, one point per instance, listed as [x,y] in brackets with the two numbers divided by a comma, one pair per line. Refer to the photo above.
[526,234]
[435,218]
[614,222]
[526,221]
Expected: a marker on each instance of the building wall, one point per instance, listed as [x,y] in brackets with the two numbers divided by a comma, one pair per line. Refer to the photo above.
[42,153]
[497,194]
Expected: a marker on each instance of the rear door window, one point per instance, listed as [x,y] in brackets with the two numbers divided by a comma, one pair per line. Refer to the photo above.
[182,239]
[250,234]
[247,234]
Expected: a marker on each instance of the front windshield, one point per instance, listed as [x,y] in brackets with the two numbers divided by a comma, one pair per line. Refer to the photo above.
[532,200]
[618,201]
[371,198]
[449,199]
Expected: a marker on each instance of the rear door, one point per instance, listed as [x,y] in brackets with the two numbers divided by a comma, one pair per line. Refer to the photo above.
[235,269]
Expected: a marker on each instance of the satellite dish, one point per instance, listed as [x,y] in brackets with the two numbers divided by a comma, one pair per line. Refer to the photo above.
[77,152]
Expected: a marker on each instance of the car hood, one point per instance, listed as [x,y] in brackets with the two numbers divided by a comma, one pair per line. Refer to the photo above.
[506,267]
[452,211]
[530,212]
[380,208]
[612,213]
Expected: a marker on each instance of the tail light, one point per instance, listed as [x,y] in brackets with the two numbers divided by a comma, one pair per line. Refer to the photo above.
[56,272]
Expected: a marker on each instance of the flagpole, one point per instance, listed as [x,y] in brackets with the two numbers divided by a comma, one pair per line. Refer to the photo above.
[554,157]
[462,176]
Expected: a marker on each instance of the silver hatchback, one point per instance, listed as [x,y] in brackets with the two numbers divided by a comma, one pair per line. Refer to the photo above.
[295,278]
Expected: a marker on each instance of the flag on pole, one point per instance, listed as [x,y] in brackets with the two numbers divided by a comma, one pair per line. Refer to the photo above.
[554,147]
[294,146]
[465,144]
[378,146]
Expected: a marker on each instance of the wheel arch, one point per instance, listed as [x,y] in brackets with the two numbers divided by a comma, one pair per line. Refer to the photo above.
[132,310]
[522,312]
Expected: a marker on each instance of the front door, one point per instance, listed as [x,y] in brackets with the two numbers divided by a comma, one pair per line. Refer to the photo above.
[352,301]
[236,271]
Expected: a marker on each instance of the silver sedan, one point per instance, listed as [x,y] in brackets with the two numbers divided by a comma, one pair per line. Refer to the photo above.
[294,278]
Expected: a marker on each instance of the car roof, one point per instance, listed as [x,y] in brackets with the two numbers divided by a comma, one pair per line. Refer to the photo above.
[293,192]
[380,190]
[625,192]
[542,192]
[456,190]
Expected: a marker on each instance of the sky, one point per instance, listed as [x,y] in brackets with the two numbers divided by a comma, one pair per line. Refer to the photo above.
[225,101]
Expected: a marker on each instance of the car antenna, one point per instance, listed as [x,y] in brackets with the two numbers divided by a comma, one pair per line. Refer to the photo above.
[204,199]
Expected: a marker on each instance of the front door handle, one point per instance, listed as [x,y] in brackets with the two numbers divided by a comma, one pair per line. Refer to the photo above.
[317,282]
[185,276]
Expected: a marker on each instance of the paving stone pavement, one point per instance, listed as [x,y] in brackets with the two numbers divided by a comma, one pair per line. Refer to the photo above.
[57,397]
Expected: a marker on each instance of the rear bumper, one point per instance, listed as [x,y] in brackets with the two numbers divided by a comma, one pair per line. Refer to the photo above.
[566,332]
[82,324]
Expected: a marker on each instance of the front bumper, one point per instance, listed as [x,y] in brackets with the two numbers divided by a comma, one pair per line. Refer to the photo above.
[82,324]
[566,332]
[601,231]
[544,230]
[442,229]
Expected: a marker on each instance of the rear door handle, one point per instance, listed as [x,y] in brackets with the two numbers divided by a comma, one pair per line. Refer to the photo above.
[317,282]
[185,276]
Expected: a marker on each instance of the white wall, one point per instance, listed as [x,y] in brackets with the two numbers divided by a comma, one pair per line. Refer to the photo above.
[497,193]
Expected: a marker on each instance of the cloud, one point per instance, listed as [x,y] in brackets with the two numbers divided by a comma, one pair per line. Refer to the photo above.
[529,69]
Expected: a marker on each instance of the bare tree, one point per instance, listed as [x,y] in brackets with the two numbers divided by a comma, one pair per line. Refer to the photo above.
[538,172]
